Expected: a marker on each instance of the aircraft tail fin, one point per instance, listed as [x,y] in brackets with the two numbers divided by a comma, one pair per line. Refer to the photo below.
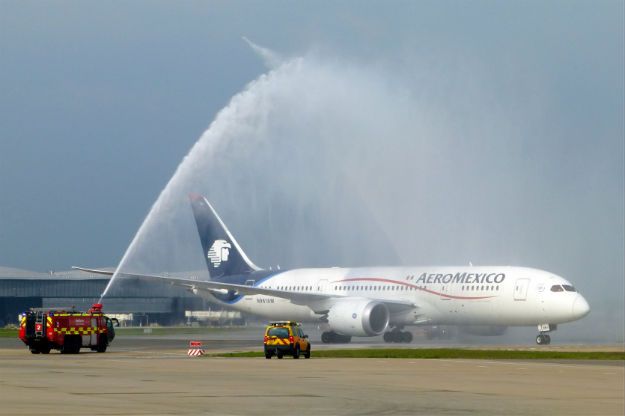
[223,255]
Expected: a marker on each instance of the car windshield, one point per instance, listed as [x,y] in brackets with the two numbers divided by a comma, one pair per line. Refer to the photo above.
[569,288]
[278,332]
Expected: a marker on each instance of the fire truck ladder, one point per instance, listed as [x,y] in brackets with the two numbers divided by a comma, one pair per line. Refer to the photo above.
[40,324]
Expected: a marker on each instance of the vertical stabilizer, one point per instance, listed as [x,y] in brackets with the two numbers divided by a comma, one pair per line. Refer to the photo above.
[223,255]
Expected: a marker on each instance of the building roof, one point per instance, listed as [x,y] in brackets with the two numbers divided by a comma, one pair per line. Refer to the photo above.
[14,273]
[7,273]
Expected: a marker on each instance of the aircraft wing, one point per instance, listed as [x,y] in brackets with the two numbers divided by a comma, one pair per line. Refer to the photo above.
[317,301]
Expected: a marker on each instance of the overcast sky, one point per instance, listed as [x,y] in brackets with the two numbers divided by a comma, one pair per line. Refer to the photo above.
[99,103]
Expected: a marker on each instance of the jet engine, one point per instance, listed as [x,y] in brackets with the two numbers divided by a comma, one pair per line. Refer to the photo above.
[358,317]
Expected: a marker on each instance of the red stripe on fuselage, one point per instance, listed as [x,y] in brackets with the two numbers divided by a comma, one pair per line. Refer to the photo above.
[375,279]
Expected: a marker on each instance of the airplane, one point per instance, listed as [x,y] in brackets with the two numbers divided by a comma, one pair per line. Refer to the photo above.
[371,301]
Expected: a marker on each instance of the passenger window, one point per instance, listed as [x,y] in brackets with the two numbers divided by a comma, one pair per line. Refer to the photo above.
[557,288]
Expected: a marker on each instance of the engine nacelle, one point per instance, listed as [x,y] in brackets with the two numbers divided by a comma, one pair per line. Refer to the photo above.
[358,317]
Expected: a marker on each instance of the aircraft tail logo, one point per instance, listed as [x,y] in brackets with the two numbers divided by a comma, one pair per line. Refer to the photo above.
[219,252]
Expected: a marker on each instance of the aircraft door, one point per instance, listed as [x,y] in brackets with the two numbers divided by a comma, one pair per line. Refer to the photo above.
[520,289]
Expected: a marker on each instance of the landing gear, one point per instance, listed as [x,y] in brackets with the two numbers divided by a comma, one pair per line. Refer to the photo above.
[398,336]
[334,338]
[543,338]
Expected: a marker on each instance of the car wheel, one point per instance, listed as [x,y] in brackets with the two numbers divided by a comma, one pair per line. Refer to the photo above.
[296,353]
[279,355]
[307,353]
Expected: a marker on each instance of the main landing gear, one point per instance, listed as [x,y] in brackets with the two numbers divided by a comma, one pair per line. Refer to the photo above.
[543,337]
[398,336]
[330,337]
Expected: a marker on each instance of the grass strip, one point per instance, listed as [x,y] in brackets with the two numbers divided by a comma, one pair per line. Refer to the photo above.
[8,332]
[436,353]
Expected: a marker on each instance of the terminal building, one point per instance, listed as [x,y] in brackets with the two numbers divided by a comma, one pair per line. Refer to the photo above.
[146,303]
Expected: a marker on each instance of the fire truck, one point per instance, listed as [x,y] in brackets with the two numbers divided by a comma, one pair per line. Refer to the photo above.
[66,330]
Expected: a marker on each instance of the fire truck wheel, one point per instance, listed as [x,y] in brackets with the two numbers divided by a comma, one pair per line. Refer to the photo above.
[34,351]
[71,345]
[45,350]
[101,343]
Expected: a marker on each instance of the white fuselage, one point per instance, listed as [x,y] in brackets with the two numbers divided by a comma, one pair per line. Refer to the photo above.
[510,296]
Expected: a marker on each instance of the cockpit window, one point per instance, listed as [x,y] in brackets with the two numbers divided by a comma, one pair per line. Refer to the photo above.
[557,288]
[569,288]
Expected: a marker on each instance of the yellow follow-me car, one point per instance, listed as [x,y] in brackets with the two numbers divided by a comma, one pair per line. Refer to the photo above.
[285,338]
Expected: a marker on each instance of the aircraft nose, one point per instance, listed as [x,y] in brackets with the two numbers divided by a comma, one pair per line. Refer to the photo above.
[580,307]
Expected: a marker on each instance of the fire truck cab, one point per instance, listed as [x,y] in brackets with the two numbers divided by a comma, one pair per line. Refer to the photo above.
[66,330]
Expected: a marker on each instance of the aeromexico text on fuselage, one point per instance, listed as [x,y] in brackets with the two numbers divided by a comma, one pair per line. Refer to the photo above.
[261,276]
[464,278]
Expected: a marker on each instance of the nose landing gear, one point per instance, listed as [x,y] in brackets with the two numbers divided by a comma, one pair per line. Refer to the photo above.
[543,338]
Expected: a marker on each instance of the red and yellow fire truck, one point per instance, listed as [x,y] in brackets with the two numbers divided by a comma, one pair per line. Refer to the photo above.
[66,330]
